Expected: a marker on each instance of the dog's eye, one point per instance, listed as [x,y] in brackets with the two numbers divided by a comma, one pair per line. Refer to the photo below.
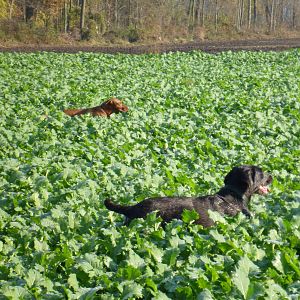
[269,180]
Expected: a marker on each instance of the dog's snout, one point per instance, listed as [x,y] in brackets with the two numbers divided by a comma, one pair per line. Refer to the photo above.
[124,108]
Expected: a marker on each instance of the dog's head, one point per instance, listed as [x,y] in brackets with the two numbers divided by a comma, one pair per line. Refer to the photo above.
[116,105]
[248,180]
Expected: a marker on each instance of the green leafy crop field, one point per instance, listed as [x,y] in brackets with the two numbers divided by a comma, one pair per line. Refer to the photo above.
[193,116]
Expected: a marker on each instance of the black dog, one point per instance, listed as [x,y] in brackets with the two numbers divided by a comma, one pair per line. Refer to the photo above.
[240,184]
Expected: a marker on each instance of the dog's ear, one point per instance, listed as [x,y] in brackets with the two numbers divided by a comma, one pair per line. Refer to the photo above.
[108,102]
[256,174]
[114,103]
[239,177]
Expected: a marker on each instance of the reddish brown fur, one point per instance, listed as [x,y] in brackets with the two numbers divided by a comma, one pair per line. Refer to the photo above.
[108,107]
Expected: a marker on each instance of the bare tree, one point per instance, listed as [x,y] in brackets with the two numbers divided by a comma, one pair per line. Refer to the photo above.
[116,13]
[11,6]
[273,16]
[240,13]
[129,12]
[191,12]
[65,16]
[216,14]
[82,16]
[254,13]
[203,12]
[294,13]
[249,13]
[155,18]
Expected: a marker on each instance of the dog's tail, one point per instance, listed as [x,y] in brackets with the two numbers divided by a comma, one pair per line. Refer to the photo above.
[124,210]
[74,112]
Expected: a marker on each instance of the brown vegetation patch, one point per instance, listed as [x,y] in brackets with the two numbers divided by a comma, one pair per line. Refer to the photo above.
[207,46]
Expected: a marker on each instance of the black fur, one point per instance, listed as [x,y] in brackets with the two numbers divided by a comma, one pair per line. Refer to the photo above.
[240,184]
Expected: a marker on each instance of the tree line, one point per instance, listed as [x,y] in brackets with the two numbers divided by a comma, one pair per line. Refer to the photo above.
[138,20]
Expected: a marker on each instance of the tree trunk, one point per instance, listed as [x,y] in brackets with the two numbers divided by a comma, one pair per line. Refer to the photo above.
[272,16]
[241,12]
[238,16]
[275,14]
[216,15]
[11,6]
[82,14]
[116,15]
[254,13]
[191,12]
[198,11]
[294,14]
[24,10]
[268,15]
[69,15]
[202,13]
[65,16]
[137,13]
[249,13]
[129,12]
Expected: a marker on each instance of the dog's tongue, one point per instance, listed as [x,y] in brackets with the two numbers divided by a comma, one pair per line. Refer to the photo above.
[264,189]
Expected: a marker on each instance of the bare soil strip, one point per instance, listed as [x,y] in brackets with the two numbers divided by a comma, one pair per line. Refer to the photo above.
[206,46]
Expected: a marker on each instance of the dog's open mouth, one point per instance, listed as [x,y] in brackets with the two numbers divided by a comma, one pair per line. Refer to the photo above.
[263,190]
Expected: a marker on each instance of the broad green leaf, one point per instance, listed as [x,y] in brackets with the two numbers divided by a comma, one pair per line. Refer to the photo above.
[131,290]
[274,238]
[175,241]
[161,296]
[170,256]
[189,216]
[241,281]
[291,259]
[216,217]
[241,275]
[155,252]
[32,278]
[72,281]
[90,293]
[40,245]
[255,290]
[217,236]
[274,291]
[135,260]
[151,284]
[205,295]
[15,292]
[277,263]
[71,220]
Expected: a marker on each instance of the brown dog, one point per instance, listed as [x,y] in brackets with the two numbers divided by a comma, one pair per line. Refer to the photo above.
[108,107]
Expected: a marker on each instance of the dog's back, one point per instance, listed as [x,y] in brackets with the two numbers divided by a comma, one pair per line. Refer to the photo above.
[124,210]
[108,107]
[75,112]
[167,208]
